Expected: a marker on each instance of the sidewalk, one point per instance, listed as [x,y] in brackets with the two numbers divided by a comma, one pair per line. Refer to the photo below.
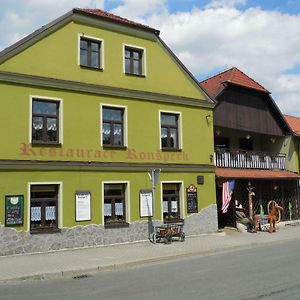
[82,262]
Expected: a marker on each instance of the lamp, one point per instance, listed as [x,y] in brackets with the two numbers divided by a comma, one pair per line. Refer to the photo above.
[218,132]
[273,140]
[248,136]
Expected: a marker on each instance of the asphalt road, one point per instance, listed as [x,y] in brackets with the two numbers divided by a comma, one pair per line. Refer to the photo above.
[267,272]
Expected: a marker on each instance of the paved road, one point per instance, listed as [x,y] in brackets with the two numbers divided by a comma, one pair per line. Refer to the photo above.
[266,272]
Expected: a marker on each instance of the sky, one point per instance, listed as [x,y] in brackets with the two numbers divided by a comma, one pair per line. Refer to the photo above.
[260,37]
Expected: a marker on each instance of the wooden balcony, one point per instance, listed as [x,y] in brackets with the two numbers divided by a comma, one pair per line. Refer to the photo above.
[226,158]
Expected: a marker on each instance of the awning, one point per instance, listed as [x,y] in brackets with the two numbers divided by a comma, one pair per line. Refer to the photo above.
[255,174]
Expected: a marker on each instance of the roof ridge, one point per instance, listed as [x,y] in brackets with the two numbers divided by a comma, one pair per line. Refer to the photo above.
[237,69]
[113,17]
[216,75]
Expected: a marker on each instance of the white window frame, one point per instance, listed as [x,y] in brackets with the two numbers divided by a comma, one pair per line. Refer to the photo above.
[144,59]
[60,117]
[59,201]
[127,198]
[96,39]
[180,143]
[181,197]
[125,123]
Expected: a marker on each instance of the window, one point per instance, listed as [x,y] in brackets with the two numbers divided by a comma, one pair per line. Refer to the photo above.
[45,121]
[44,208]
[114,204]
[169,131]
[171,203]
[112,126]
[134,59]
[90,53]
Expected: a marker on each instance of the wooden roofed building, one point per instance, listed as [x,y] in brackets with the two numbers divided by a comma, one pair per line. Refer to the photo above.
[254,145]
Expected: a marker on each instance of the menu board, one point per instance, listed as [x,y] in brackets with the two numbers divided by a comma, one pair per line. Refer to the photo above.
[14,210]
[146,203]
[83,206]
[192,199]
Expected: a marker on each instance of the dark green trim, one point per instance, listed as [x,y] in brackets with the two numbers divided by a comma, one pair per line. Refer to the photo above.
[89,88]
[37,165]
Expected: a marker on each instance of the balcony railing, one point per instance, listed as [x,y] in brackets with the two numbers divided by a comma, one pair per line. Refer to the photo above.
[249,159]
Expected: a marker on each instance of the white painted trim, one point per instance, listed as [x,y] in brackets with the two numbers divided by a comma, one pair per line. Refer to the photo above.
[125,122]
[60,119]
[181,197]
[127,197]
[180,138]
[144,59]
[60,200]
[95,39]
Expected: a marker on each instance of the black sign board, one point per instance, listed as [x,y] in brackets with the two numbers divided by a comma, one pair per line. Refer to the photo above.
[192,199]
[14,210]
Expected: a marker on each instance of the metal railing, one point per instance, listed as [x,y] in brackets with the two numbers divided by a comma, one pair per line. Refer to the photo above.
[249,159]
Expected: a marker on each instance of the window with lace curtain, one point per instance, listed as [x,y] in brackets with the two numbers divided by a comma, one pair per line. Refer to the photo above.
[169,131]
[113,127]
[44,208]
[45,121]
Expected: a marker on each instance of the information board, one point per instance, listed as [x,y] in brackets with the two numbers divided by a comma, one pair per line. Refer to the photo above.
[83,206]
[14,210]
[192,199]
[146,199]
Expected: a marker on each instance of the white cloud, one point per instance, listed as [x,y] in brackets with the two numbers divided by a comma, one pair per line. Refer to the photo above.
[19,18]
[264,44]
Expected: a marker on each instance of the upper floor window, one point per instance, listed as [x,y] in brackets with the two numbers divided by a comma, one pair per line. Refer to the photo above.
[45,121]
[113,126]
[169,130]
[134,60]
[90,52]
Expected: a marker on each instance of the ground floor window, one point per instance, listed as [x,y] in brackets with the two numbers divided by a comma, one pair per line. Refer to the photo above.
[171,202]
[44,208]
[114,204]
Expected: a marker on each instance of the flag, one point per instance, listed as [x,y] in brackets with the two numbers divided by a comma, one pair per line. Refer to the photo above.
[228,187]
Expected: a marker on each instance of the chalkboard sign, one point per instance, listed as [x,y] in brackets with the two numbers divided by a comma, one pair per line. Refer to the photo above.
[14,210]
[192,199]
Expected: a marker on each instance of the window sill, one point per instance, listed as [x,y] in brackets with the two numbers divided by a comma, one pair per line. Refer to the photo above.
[171,149]
[114,147]
[135,75]
[45,230]
[40,144]
[117,225]
[92,68]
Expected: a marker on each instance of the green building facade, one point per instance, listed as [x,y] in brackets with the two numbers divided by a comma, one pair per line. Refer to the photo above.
[91,105]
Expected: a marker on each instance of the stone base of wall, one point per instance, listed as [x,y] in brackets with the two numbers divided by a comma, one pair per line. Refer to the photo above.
[19,242]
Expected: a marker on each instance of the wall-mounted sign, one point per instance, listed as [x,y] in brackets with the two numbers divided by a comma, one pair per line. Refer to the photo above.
[192,199]
[83,206]
[146,199]
[14,210]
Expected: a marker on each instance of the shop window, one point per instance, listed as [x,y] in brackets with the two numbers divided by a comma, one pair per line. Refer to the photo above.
[45,121]
[113,126]
[44,208]
[171,202]
[134,61]
[115,204]
[90,53]
[169,131]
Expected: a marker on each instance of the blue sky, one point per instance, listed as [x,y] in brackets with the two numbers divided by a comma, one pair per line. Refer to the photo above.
[261,38]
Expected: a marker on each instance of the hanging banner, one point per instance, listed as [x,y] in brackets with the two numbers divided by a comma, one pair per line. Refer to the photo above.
[14,210]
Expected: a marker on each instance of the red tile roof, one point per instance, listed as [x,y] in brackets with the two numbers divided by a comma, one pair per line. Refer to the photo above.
[294,123]
[114,18]
[255,174]
[233,76]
